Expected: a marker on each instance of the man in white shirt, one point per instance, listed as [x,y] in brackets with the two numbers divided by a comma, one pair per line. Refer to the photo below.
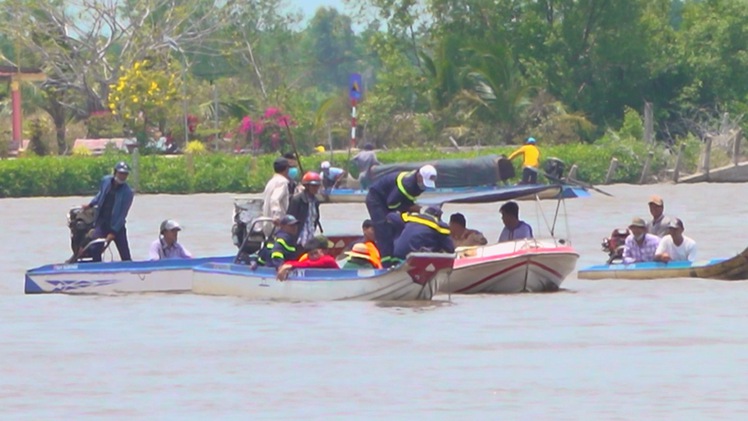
[675,246]
[166,246]
[276,195]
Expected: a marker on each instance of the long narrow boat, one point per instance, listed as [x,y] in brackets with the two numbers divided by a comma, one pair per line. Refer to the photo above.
[173,275]
[562,192]
[417,278]
[728,269]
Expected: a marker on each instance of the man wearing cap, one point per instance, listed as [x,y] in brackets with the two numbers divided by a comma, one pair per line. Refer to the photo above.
[531,161]
[461,235]
[276,196]
[331,175]
[113,203]
[423,231]
[315,258]
[304,206]
[282,246]
[365,160]
[395,192]
[659,223]
[675,246]
[166,245]
[359,257]
[514,228]
[640,246]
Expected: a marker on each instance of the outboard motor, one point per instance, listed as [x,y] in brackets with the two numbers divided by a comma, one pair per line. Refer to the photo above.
[554,168]
[506,169]
[245,211]
[81,225]
[614,245]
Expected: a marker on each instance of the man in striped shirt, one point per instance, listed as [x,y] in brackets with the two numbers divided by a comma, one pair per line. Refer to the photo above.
[640,246]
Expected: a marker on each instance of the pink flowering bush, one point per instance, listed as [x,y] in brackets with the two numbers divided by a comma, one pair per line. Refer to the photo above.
[267,133]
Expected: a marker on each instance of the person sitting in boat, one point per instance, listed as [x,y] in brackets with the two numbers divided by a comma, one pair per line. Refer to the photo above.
[316,257]
[369,240]
[514,228]
[331,176]
[640,246]
[304,206]
[282,246]
[166,245]
[422,231]
[395,192]
[461,235]
[359,257]
[675,246]
[531,161]
[659,223]
[365,160]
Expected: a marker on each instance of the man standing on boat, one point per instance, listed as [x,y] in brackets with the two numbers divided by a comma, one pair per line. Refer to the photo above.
[531,161]
[395,192]
[365,160]
[659,223]
[514,228]
[675,246]
[276,195]
[113,202]
[640,246]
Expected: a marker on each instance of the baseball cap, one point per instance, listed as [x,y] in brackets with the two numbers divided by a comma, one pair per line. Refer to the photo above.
[289,220]
[169,225]
[325,165]
[433,211]
[530,140]
[657,200]
[638,222]
[428,172]
[675,223]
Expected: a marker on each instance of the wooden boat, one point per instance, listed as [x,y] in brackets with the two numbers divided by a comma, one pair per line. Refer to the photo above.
[417,278]
[729,269]
[549,192]
[172,275]
[529,265]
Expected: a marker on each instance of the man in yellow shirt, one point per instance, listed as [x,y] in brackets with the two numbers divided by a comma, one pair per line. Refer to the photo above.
[531,155]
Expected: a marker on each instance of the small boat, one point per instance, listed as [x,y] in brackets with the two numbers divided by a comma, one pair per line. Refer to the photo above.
[728,269]
[528,265]
[417,278]
[437,194]
[172,275]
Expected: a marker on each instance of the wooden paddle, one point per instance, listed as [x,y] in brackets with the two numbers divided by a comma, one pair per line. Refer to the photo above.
[293,145]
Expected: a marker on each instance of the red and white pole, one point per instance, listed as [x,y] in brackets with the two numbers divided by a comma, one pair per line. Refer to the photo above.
[353,122]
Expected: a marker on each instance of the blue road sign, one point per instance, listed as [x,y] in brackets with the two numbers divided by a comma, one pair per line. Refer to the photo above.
[355,86]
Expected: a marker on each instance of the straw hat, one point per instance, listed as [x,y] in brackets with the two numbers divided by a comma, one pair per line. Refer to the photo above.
[359,250]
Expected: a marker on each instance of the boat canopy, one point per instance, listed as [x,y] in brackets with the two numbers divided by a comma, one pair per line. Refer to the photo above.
[497,195]
[478,171]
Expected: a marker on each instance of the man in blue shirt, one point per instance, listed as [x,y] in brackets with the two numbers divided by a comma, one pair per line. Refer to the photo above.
[331,175]
[113,202]
[514,228]
[395,192]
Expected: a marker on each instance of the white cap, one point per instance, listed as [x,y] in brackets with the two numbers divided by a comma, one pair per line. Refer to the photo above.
[325,165]
[428,172]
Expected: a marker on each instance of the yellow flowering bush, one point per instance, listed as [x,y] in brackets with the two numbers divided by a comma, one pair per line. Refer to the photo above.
[144,91]
[195,147]
[81,150]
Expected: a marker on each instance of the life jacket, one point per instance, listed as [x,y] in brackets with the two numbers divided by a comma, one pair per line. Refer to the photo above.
[426,220]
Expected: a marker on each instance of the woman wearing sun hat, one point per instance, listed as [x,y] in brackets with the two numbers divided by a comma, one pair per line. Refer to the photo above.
[359,258]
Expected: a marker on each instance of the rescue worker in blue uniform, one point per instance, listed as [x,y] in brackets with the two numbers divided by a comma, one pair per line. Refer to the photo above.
[423,231]
[395,192]
[282,246]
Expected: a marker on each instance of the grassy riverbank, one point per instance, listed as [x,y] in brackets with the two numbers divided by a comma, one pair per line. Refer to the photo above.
[212,173]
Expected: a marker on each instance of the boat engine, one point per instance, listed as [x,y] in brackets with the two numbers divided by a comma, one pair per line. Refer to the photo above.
[81,225]
[613,245]
[554,168]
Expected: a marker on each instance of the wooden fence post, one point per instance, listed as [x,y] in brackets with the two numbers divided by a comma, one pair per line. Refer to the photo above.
[648,123]
[736,147]
[676,171]
[135,176]
[611,170]
[645,169]
[707,156]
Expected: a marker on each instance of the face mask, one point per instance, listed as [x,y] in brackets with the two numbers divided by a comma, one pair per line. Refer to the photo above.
[293,173]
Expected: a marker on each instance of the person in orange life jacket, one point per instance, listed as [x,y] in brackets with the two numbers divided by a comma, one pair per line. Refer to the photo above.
[395,192]
[113,200]
[282,246]
[316,258]
[423,231]
[369,241]
[360,258]
[304,206]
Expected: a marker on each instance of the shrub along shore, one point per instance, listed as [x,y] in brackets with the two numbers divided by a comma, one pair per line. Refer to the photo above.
[214,173]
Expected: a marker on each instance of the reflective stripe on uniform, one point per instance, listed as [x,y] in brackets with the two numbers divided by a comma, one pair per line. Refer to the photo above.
[420,219]
[401,187]
[285,245]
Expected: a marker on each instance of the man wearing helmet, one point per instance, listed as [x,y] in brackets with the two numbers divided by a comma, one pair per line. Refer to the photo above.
[304,206]
[166,245]
[113,202]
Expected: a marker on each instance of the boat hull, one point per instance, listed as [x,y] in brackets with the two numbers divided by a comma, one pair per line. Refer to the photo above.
[359,196]
[511,267]
[731,269]
[174,275]
[416,279]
